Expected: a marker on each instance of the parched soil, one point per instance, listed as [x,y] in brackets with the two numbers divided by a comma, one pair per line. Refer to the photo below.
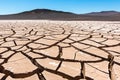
[59,50]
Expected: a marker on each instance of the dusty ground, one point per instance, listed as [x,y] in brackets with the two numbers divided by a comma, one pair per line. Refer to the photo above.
[53,50]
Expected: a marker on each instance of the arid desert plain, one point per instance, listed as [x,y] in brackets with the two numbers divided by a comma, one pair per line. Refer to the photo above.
[59,50]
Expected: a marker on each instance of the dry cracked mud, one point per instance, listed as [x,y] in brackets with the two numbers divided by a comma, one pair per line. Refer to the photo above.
[55,50]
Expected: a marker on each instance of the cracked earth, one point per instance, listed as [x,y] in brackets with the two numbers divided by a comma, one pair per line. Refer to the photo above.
[54,50]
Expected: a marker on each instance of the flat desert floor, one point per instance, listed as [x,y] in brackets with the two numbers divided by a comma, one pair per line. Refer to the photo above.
[59,50]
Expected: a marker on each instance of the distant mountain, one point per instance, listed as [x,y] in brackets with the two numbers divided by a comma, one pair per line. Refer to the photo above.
[104,13]
[46,14]
[40,14]
[43,11]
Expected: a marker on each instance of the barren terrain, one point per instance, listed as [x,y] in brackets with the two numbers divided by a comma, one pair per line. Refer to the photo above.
[59,50]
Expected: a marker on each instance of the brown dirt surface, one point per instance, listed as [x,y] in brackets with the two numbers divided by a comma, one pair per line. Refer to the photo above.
[55,50]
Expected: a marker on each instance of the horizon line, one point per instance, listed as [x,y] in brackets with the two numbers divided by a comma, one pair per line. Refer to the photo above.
[58,10]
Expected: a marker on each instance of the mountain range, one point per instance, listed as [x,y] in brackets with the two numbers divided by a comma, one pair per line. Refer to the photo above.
[47,14]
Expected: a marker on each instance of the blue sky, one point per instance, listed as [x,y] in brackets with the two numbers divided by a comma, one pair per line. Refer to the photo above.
[75,6]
